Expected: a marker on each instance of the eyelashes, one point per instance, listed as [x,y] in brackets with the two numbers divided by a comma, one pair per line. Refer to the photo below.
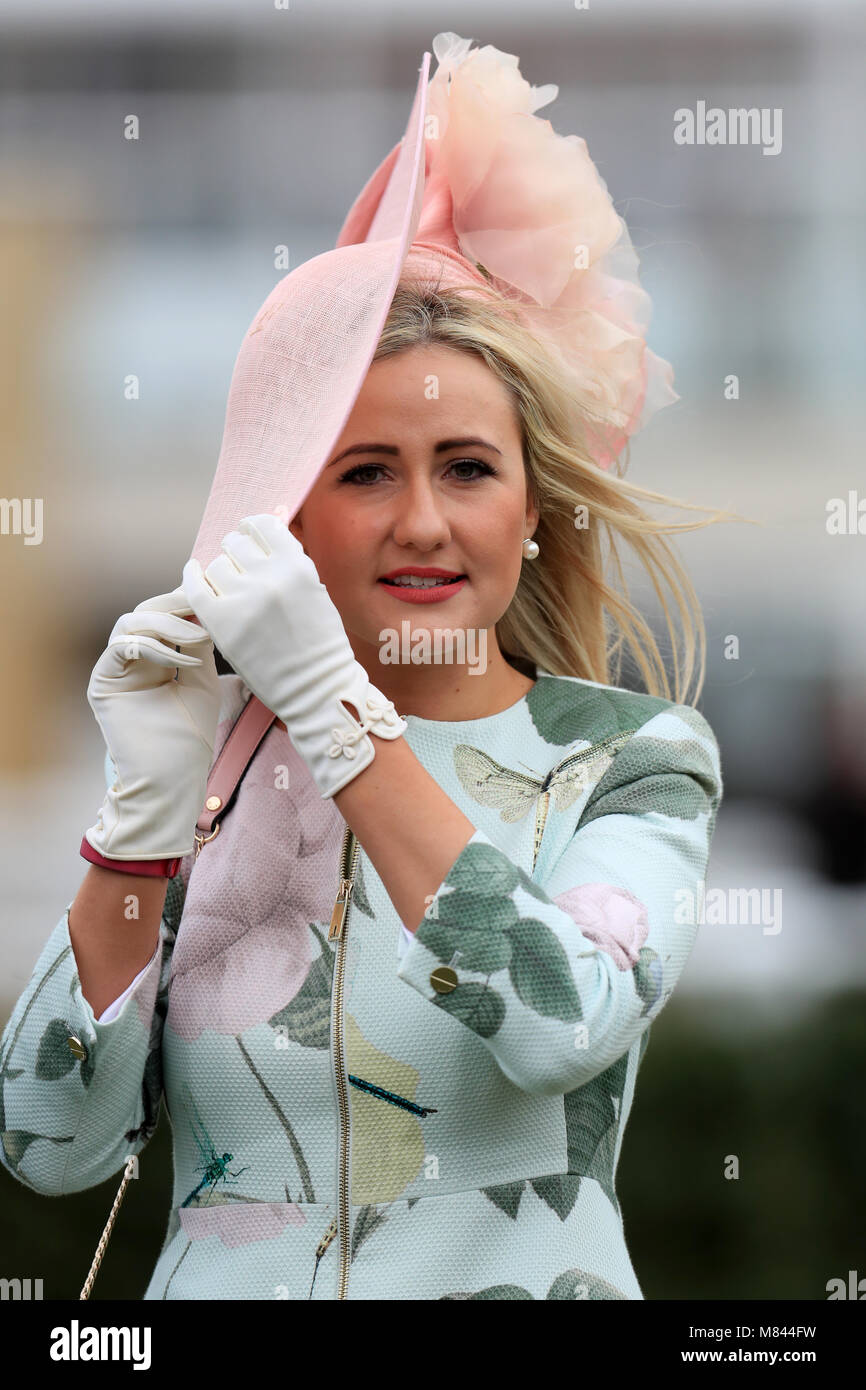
[352,475]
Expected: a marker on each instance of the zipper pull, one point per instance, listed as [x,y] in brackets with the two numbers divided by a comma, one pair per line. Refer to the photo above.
[321,1248]
[326,1239]
[341,907]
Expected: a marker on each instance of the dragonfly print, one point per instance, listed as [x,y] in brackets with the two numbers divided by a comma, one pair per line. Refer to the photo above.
[513,793]
[214,1166]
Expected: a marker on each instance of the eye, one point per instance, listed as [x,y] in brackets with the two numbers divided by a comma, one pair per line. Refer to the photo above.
[475,463]
[354,475]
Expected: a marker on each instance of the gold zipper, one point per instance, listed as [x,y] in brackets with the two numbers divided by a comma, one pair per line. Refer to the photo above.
[337,932]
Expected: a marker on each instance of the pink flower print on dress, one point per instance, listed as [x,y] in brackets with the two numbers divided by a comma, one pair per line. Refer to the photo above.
[614,919]
[243,1224]
[244,946]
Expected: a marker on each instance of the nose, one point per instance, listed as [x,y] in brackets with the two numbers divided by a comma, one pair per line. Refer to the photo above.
[420,517]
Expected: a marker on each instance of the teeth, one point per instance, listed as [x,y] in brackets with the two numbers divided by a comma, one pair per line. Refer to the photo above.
[416,581]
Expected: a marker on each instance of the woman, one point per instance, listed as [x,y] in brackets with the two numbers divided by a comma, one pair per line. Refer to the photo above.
[421,1089]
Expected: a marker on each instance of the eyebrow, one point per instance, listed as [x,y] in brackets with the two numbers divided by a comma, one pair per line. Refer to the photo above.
[440,448]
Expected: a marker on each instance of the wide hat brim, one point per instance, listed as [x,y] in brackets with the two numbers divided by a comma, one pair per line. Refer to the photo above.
[304,358]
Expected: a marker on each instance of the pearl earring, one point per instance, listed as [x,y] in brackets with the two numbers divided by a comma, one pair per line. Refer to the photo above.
[530,548]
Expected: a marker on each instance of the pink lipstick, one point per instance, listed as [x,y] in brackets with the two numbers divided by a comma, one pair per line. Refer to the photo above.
[422,583]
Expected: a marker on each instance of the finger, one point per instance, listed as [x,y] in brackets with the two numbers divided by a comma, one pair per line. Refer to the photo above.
[203,676]
[134,646]
[165,626]
[176,602]
[197,586]
[222,574]
[267,530]
[245,550]
[274,536]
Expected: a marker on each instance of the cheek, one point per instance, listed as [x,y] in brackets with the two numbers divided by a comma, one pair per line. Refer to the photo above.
[335,540]
[496,536]
[341,551]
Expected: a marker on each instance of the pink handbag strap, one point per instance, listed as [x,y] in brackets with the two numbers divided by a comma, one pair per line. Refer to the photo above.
[234,758]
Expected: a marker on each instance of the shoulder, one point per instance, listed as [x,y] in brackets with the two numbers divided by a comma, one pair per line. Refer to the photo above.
[565,709]
[647,734]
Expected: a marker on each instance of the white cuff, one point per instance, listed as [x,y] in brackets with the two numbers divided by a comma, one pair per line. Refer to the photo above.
[110,1013]
[406,939]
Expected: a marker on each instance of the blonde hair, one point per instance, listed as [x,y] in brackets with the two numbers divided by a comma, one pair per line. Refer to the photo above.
[564,616]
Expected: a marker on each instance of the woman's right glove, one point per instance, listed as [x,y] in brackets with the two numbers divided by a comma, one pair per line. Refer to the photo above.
[160,731]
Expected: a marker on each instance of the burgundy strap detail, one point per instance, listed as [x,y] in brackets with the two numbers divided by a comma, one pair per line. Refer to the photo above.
[234,759]
[147,868]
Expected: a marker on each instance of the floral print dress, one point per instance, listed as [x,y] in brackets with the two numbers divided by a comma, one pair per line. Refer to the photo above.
[357,1114]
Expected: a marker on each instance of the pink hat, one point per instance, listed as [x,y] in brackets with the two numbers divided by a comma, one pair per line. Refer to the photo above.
[479,191]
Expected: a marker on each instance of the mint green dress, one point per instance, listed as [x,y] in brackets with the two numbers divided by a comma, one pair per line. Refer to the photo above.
[362,1116]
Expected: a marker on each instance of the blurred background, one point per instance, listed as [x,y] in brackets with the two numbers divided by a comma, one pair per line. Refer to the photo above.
[149,257]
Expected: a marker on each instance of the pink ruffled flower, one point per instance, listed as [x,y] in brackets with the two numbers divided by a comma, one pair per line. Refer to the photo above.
[612,918]
[505,190]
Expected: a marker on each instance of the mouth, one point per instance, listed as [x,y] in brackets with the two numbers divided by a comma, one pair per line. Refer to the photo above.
[419,584]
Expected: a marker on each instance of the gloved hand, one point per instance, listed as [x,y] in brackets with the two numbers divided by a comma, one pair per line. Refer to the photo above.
[159,731]
[271,616]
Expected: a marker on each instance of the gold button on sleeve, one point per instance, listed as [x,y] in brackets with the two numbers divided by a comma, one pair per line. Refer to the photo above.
[444,979]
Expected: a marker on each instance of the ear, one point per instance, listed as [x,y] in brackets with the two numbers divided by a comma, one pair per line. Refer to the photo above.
[532,513]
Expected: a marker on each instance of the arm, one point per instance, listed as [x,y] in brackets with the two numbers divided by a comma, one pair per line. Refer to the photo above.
[68,1122]
[407,824]
[114,931]
[80,1093]
[78,1096]
[559,981]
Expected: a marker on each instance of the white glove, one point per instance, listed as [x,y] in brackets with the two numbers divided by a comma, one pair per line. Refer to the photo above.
[160,732]
[270,615]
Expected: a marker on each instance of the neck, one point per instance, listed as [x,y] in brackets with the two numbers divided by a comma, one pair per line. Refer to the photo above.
[481,684]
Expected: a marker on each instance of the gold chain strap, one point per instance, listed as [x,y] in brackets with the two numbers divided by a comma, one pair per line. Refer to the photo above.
[103,1239]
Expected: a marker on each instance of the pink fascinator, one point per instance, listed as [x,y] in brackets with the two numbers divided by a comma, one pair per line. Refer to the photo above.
[480,191]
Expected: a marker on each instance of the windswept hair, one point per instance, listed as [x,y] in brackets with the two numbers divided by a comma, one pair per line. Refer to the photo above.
[565,615]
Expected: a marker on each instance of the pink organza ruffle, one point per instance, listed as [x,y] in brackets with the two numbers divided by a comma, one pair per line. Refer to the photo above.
[505,191]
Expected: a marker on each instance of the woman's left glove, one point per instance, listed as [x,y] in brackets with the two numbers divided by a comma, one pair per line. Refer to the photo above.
[271,616]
